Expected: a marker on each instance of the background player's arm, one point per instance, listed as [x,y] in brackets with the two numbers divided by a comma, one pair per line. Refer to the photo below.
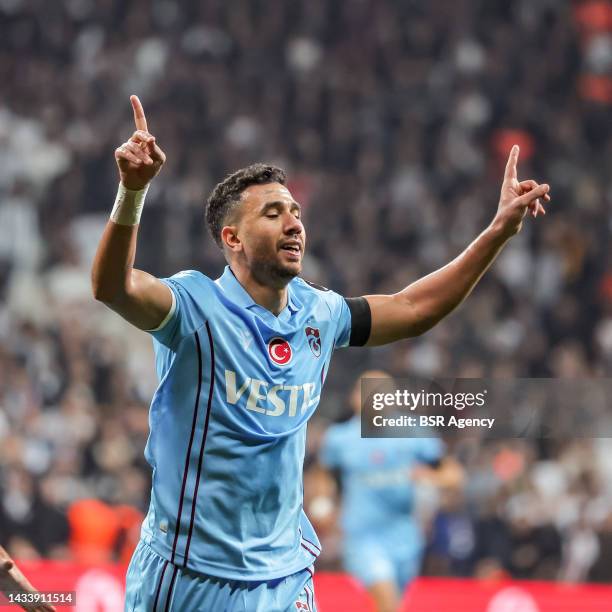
[12,580]
[447,473]
[137,296]
[425,302]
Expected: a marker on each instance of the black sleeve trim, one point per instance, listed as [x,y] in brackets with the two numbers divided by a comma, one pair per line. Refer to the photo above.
[361,320]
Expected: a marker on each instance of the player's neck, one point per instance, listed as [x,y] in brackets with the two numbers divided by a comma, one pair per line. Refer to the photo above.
[271,298]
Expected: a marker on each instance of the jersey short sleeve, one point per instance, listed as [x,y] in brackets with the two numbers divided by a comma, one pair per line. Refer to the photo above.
[353,319]
[341,314]
[181,319]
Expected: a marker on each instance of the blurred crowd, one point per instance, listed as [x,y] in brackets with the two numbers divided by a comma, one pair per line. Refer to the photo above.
[393,119]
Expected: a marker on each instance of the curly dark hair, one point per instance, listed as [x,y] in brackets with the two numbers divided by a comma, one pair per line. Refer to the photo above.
[226,195]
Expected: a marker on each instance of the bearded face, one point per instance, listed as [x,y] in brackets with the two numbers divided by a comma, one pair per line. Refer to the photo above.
[268,234]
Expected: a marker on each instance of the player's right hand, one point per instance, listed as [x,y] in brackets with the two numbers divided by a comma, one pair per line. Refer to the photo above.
[140,158]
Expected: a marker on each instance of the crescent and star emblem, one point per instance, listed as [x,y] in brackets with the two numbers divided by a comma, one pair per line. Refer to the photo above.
[280,351]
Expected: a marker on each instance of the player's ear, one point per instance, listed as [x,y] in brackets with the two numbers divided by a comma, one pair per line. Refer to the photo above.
[230,239]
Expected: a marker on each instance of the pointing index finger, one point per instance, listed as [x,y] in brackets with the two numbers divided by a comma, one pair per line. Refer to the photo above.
[511,165]
[139,116]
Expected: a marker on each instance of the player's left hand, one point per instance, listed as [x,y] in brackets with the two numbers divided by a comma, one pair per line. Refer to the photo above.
[12,580]
[518,198]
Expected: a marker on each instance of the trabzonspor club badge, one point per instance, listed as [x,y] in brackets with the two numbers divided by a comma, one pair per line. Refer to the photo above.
[314,340]
[280,351]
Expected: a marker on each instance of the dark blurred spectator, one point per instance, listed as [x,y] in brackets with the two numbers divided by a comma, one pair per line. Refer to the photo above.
[453,538]
[26,515]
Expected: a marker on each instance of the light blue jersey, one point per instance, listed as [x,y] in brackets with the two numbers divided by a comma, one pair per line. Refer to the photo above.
[382,539]
[228,425]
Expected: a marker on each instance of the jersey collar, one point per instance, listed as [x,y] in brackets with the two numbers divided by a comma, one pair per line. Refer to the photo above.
[241,296]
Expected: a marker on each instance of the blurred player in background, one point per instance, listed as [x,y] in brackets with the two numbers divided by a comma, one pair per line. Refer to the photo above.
[242,361]
[383,541]
[13,581]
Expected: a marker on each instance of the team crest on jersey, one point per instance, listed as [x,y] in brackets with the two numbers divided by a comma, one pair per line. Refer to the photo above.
[300,605]
[280,351]
[313,335]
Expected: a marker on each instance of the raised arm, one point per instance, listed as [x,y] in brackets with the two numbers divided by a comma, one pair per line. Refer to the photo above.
[137,296]
[425,302]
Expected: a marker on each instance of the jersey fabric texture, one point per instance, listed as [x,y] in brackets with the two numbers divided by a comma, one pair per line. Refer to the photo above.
[382,539]
[155,585]
[228,425]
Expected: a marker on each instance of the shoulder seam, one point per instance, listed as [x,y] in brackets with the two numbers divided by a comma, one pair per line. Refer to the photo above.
[314,285]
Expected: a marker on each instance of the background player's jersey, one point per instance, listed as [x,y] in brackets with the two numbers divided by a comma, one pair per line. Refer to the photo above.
[228,425]
[378,492]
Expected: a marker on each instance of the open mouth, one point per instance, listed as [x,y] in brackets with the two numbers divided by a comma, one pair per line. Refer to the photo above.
[293,252]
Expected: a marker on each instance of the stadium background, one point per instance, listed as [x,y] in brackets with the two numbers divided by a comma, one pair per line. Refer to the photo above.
[393,119]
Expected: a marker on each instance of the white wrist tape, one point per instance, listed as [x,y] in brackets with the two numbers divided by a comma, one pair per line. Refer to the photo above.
[128,205]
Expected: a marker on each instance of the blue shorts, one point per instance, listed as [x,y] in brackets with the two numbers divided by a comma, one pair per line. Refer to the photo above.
[156,585]
[370,561]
